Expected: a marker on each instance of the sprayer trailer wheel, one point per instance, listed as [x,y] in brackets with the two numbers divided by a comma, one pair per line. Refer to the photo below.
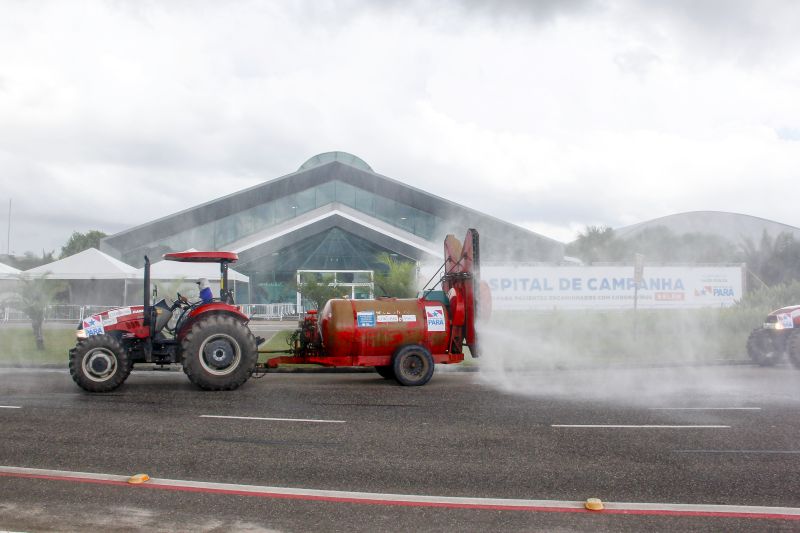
[413,365]
[762,349]
[219,353]
[793,348]
[386,372]
[99,363]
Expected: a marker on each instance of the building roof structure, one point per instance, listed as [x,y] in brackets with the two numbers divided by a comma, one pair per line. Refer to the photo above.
[333,213]
[734,227]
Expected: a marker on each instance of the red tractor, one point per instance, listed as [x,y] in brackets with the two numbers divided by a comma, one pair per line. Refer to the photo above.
[402,338]
[209,338]
[778,337]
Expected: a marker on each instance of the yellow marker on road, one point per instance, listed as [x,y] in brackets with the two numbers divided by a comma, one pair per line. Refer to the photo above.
[138,478]
[594,504]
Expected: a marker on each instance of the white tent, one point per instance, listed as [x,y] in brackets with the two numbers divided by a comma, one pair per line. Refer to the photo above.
[88,264]
[7,272]
[92,272]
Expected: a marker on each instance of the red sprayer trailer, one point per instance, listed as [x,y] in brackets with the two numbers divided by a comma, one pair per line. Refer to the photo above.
[402,338]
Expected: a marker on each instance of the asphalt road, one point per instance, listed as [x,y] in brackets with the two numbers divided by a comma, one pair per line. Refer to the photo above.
[706,435]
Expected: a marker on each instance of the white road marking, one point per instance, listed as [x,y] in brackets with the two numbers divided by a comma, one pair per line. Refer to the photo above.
[638,426]
[777,452]
[276,419]
[10,407]
[373,498]
[705,408]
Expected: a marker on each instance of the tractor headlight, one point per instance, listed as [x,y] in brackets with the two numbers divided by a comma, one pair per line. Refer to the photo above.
[80,334]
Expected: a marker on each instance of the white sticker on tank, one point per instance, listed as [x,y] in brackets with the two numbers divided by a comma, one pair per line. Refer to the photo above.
[434,315]
[409,318]
[109,320]
[366,319]
[387,318]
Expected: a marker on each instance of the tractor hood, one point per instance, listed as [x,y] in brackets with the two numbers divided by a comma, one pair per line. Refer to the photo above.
[119,319]
[783,318]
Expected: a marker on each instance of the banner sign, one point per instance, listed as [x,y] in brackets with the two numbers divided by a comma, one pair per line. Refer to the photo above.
[612,287]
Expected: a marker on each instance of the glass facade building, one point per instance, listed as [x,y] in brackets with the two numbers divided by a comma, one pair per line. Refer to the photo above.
[334,213]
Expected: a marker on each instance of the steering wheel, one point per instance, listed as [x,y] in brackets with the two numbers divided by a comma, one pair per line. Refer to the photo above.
[182,300]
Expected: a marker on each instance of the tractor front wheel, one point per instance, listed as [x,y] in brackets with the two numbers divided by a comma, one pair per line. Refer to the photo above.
[413,365]
[99,363]
[219,353]
[762,348]
[793,348]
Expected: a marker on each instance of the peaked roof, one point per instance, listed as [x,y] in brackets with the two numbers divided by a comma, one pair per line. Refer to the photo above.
[7,271]
[88,264]
[500,238]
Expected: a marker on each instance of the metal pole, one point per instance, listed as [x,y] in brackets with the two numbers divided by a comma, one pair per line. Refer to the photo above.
[8,240]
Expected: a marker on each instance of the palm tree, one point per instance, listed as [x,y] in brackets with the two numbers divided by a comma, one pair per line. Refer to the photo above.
[399,279]
[32,296]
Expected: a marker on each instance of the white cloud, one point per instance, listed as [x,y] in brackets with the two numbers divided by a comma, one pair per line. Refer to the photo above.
[551,115]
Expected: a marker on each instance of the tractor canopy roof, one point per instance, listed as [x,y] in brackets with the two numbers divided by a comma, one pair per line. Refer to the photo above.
[202,257]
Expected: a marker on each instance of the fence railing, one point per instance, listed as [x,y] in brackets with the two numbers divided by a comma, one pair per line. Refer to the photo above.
[55,313]
[270,311]
[76,313]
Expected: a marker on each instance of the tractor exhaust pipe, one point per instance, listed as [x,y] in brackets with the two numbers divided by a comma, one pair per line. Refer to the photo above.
[146,321]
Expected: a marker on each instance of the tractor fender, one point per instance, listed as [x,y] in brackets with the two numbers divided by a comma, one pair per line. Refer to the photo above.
[214,308]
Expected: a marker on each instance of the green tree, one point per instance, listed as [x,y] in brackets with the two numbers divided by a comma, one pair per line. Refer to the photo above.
[317,290]
[661,245]
[774,261]
[597,243]
[79,242]
[32,296]
[29,260]
[398,280]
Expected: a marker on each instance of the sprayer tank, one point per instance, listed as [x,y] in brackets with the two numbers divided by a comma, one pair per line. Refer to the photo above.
[358,328]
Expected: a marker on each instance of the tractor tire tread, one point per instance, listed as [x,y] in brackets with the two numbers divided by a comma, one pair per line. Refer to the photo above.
[123,362]
[203,328]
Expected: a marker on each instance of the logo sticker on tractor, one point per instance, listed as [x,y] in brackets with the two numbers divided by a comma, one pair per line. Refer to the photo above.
[387,318]
[786,320]
[435,317]
[93,325]
[366,319]
[115,313]
[409,318]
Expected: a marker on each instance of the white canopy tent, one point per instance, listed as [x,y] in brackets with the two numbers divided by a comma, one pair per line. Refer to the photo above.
[7,272]
[8,279]
[88,265]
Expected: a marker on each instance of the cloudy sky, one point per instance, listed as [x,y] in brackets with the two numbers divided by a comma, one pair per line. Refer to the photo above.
[550,114]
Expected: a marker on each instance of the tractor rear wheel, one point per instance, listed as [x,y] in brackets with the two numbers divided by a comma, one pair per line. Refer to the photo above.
[99,363]
[219,353]
[413,365]
[762,348]
[386,372]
